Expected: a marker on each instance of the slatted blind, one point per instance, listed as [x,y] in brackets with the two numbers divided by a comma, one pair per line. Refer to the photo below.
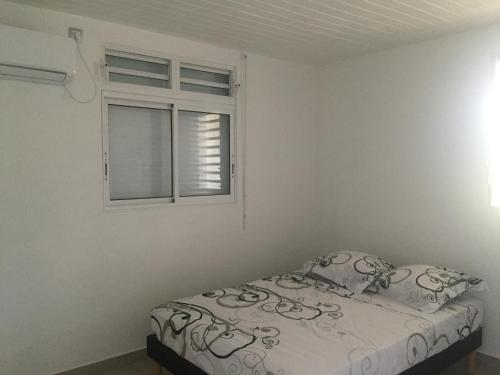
[140,152]
[125,67]
[204,154]
[197,78]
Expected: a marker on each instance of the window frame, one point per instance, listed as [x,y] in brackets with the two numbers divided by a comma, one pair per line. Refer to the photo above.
[175,104]
[138,73]
[207,108]
[132,88]
[180,100]
[186,63]
[119,100]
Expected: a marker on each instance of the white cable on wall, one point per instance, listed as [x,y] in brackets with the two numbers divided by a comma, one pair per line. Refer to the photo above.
[243,118]
[85,101]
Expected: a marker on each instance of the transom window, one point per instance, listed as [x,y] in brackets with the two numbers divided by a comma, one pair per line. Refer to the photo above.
[136,69]
[204,79]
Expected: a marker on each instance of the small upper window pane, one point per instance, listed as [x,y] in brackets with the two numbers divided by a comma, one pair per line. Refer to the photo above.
[205,76]
[205,89]
[137,69]
[207,80]
[134,80]
[139,65]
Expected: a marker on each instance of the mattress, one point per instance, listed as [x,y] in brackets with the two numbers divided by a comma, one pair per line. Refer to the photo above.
[294,325]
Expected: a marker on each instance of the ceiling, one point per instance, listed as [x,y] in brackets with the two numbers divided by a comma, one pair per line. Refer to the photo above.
[313,31]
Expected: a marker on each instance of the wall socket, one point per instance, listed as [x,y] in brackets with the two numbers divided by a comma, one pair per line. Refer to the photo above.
[76,34]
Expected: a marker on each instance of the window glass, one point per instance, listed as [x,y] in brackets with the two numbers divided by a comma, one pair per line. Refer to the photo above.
[204,89]
[136,69]
[140,152]
[197,78]
[135,80]
[204,154]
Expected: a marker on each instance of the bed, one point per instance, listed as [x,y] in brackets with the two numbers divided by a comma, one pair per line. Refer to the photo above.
[293,325]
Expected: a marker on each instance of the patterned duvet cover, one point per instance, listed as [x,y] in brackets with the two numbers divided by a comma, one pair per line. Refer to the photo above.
[295,325]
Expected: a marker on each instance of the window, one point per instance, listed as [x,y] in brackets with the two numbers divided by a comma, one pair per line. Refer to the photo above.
[204,160]
[136,69]
[197,78]
[166,151]
[169,133]
[140,152]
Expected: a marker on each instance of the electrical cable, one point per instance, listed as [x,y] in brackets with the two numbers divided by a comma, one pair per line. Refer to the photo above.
[91,76]
[243,97]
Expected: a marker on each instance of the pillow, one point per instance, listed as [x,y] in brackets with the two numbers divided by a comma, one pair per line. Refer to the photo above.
[354,270]
[426,288]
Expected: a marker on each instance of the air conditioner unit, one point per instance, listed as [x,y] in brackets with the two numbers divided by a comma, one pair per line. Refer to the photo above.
[34,56]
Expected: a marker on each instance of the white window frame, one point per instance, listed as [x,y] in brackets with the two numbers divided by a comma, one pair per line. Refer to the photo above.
[185,63]
[178,100]
[209,108]
[174,104]
[136,102]
[138,73]
[151,56]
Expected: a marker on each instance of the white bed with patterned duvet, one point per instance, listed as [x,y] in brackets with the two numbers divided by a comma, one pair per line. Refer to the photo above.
[294,325]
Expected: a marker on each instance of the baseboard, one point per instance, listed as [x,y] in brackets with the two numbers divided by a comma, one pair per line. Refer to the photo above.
[487,365]
[108,363]
[140,354]
[489,361]
[485,354]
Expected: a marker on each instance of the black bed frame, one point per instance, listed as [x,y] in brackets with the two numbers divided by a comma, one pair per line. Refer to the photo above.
[177,365]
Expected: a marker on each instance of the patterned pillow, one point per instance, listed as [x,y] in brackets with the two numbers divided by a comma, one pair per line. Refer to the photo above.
[354,270]
[426,288]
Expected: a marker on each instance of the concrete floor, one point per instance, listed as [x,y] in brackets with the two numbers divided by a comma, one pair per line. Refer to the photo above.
[139,364]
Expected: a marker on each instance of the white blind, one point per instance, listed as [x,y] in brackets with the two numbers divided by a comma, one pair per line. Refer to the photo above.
[140,152]
[204,154]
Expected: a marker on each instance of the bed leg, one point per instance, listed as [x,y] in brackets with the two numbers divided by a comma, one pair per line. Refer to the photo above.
[472,364]
[157,369]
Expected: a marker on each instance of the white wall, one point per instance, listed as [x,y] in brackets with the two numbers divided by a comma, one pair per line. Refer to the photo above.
[77,282]
[403,159]
[401,172]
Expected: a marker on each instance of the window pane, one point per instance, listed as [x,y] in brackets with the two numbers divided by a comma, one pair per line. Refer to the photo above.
[137,69]
[205,76]
[204,154]
[135,80]
[207,80]
[204,89]
[140,152]
[140,65]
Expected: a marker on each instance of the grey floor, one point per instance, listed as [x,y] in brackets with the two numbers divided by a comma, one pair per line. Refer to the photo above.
[139,364]
[486,366]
